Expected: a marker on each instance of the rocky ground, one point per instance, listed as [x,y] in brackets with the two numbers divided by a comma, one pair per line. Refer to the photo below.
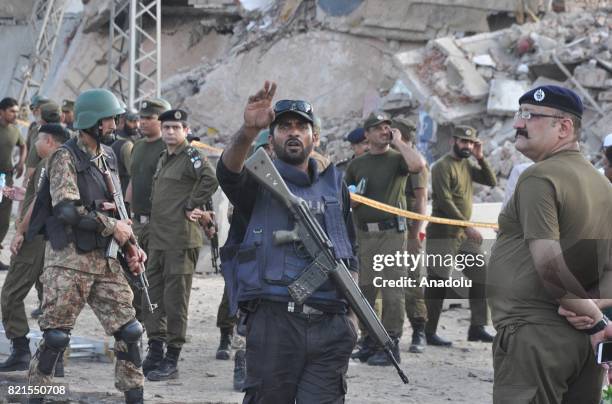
[461,374]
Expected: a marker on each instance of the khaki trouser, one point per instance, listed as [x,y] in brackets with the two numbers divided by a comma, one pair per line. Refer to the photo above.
[225,322]
[170,273]
[415,298]
[544,364]
[383,242]
[434,296]
[24,271]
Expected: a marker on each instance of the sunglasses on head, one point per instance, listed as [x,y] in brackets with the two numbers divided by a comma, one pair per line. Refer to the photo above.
[293,105]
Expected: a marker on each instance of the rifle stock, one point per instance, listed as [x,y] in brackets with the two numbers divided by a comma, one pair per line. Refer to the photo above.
[309,232]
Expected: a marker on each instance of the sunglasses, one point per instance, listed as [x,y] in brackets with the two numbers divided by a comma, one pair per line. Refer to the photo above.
[292,105]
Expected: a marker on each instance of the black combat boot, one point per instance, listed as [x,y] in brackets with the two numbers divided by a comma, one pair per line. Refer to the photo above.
[366,349]
[417,344]
[37,312]
[239,369]
[478,333]
[225,346]
[134,396]
[155,354]
[167,370]
[436,340]
[20,356]
[380,358]
[59,366]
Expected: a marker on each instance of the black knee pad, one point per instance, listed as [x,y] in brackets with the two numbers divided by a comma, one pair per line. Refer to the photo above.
[130,333]
[55,342]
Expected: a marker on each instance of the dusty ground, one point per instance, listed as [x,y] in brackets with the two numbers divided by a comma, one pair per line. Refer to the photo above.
[461,374]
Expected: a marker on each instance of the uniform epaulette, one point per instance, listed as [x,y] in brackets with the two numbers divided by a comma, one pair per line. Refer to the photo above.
[194,155]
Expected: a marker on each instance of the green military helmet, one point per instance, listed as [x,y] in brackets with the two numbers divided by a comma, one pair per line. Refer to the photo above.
[94,105]
[37,101]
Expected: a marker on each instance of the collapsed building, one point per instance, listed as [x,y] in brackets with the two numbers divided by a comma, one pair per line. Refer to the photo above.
[438,62]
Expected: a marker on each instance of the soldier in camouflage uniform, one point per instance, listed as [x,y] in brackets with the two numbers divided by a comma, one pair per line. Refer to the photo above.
[75,212]
[27,258]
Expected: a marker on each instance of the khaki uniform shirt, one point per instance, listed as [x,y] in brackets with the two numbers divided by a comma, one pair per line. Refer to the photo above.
[145,156]
[63,186]
[385,175]
[9,138]
[452,192]
[561,198]
[183,181]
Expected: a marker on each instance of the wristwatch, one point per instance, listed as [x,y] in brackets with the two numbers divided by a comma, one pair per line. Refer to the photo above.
[599,326]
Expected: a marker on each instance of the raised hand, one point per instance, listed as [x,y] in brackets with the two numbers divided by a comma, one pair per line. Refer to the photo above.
[259,113]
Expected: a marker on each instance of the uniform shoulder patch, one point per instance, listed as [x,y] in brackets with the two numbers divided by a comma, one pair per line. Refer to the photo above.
[194,156]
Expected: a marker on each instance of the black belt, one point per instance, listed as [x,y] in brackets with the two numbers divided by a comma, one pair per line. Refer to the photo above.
[380,226]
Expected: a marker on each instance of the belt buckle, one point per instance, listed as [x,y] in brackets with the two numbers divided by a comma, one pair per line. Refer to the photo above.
[143,219]
[372,226]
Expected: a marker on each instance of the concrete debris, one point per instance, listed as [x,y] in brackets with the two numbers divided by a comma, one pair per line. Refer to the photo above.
[503,94]
[352,57]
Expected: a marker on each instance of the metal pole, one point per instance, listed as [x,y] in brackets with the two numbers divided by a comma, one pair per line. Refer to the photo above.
[158,39]
[132,55]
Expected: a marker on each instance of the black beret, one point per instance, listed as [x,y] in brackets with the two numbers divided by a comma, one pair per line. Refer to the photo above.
[560,98]
[173,115]
[56,130]
[356,136]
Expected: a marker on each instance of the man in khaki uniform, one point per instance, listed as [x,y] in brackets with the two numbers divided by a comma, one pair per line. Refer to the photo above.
[9,139]
[384,172]
[27,258]
[452,180]
[143,162]
[182,183]
[68,113]
[553,247]
[416,201]
[123,147]
[35,104]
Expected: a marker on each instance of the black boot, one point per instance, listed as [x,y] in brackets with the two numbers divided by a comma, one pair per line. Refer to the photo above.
[366,349]
[417,345]
[134,396]
[37,312]
[380,358]
[239,369]
[435,340]
[478,333]
[168,368]
[20,356]
[59,366]
[225,346]
[155,354]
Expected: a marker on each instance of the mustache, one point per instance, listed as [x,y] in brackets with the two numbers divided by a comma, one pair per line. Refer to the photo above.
[522,132]
[294,142]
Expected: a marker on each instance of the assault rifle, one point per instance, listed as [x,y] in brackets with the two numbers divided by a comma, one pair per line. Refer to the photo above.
[309,233]
[131,247]
[214,241]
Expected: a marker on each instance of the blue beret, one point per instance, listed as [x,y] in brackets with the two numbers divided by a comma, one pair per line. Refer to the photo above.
[556,97]
[356,136]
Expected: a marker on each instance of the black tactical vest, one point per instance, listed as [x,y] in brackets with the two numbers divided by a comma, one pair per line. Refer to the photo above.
[92,190]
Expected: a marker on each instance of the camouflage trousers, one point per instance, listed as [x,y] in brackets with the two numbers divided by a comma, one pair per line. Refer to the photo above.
[65,292]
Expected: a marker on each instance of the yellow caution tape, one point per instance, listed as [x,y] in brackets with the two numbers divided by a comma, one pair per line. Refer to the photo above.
[416,216]
[385,207]
[205,146]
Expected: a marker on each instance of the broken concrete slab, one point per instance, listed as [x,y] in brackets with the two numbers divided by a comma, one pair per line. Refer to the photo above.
[590,76]
[504,95]
[448,47]
[461,71]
